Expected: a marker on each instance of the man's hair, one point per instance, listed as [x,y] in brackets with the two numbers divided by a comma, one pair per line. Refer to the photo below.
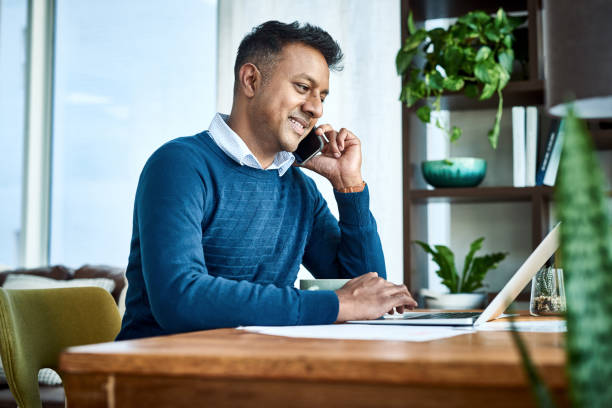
[265,42]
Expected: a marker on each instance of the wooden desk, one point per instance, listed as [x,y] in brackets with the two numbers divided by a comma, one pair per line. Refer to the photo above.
[234,368]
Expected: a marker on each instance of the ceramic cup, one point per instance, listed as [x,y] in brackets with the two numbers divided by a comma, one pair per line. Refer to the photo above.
[322,284]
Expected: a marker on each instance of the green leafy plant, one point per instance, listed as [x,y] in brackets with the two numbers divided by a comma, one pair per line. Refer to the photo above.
[474,268]
[474,55]
[586,246]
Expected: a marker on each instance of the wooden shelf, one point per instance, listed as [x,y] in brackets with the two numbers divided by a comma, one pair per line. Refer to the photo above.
[480,194]
[430,9]
[602,138]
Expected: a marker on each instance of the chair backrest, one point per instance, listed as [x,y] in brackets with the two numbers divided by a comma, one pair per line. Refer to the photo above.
[36,325]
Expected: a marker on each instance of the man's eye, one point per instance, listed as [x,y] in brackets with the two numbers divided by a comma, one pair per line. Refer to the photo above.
[302,87]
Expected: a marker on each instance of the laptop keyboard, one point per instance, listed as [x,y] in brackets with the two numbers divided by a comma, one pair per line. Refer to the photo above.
[449,315]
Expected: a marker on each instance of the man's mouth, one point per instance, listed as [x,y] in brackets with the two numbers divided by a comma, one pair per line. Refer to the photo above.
[298,124]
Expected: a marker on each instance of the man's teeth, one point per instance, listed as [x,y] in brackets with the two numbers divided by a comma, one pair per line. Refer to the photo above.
[297,123]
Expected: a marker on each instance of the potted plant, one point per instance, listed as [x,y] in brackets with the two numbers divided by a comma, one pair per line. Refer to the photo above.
[473,56]
[461,287]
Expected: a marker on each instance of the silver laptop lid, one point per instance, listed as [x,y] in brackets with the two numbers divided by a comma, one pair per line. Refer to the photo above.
[523,275]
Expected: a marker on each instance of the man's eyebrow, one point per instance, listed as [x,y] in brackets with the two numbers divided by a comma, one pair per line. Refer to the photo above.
[313,81]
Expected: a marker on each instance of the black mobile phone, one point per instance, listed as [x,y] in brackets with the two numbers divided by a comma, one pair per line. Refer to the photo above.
[308,147]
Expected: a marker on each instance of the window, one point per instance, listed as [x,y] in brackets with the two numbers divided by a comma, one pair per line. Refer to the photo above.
[13,24]
[129,76]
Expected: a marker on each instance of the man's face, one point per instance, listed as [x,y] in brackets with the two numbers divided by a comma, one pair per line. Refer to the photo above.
[290,102]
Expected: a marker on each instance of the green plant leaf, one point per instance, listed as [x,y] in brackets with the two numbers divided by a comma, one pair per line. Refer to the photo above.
[581,194]
[492,33]
[480,266]
[504,77]
[486,72]
[471,90]
[444,258]
[411,27]
[538,387]
[494,132]
[500,18]
[515,21]
[474,247]
[412,42]
[488,91]
[403,60]
[506,59]
[424,113]
[453,83]
[455,134]
[436,81]
[483,53]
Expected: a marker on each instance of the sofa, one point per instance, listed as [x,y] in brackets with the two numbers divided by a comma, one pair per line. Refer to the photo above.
[110,278]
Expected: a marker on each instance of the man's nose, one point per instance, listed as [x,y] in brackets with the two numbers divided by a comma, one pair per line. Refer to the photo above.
[313,106]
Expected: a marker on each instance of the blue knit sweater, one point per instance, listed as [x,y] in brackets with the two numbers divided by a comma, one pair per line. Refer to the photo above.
[216,244]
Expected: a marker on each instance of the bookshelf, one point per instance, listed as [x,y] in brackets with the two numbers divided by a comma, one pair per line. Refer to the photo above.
[527,91]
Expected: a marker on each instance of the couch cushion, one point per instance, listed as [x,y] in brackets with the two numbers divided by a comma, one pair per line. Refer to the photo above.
[21,281]
[104,271]
[55,272]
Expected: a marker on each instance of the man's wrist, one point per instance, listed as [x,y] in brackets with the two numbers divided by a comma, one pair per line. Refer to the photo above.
[348,184]
[353,189]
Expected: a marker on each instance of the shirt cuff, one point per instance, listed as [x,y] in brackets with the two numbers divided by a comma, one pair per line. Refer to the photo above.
[318,307]
[354,208]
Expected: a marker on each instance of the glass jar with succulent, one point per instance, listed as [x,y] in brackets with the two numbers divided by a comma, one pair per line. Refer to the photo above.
[474,55]
[471,279]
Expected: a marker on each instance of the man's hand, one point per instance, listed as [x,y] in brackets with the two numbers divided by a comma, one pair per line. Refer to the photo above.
[369,297]
[340,161]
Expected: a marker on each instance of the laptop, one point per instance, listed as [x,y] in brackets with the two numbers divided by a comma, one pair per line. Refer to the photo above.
[504,298]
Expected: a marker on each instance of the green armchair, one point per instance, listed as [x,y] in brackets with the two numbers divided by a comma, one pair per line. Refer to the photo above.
[37,324]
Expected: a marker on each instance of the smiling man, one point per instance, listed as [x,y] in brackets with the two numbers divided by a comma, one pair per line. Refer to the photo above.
[222,220]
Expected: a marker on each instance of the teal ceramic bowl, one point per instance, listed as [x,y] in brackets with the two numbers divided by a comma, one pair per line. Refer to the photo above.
[455,172]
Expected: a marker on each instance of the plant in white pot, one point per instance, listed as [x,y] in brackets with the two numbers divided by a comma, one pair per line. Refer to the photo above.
[462,287]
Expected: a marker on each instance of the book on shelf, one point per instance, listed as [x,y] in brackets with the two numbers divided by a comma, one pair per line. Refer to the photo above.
[531,144]
[518,146]
[550,174]
[546,155]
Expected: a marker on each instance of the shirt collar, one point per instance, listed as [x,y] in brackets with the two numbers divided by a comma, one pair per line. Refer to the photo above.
[235,148]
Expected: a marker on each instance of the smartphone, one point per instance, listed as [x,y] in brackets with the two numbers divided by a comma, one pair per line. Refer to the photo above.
[308,147]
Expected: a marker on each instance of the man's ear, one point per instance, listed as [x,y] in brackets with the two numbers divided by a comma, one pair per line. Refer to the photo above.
[250,79]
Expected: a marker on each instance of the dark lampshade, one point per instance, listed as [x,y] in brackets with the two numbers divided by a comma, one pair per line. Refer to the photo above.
[578,56]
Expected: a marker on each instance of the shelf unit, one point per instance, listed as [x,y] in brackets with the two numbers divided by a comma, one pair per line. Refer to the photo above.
[523,92]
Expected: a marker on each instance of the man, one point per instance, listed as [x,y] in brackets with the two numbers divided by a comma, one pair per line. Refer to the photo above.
[222,220]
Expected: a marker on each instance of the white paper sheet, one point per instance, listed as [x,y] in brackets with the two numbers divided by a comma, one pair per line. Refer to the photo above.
[361,332]
[542,326]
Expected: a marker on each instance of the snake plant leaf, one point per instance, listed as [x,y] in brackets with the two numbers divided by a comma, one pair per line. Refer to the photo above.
[587,266]
[538,387]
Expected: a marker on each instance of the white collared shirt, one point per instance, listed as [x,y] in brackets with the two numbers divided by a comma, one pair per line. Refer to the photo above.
[234,147]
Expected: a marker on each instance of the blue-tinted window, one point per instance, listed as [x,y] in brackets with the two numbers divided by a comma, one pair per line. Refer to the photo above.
[13,32]
[129,76]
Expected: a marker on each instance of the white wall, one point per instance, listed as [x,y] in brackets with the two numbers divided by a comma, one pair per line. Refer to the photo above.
[363,97]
